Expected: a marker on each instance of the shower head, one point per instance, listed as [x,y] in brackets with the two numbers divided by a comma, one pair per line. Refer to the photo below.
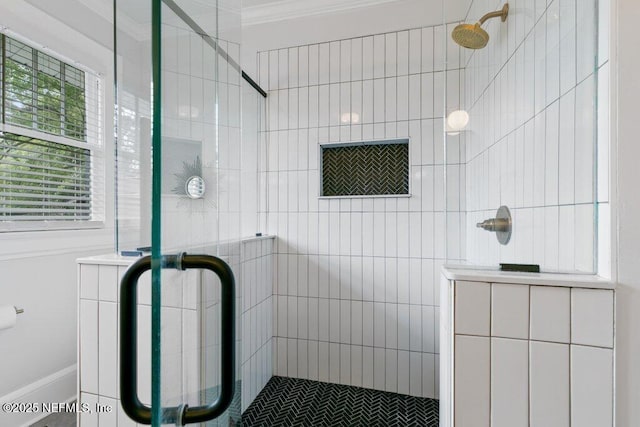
[473,36]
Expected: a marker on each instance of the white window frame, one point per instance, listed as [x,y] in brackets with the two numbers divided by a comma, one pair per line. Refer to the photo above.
[94,86]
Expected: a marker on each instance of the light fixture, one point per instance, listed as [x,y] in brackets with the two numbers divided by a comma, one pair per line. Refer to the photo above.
[456,121]
[188,111]
[349,118]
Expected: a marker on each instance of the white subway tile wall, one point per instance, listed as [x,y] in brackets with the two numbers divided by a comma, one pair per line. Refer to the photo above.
[257,305]
[201,106]
[354,282]
[531,142]
[557,372]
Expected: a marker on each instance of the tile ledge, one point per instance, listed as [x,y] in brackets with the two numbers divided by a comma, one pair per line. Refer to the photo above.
[474,273]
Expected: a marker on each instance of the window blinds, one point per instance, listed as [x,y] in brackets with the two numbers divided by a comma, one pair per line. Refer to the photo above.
[41,180]
[49,114]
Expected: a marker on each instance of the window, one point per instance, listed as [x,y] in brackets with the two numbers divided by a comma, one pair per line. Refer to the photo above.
[372,168]
[49,141]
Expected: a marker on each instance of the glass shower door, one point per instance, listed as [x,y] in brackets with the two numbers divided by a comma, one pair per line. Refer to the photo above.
[182,370]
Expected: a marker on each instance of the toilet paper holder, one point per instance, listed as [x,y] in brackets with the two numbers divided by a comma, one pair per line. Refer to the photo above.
[18,310]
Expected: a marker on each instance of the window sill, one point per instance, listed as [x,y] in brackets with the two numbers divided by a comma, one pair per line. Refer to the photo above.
[40,226]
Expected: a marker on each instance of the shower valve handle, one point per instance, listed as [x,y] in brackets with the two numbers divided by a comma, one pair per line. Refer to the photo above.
[495,224]
[501,225]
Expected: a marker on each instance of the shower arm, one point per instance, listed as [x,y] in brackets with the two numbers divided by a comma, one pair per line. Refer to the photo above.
[502,13]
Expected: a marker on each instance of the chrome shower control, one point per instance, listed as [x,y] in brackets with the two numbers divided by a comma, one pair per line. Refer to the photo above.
[501,225]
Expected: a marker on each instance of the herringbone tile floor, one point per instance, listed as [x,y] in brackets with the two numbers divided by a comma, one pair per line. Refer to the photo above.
[288,402]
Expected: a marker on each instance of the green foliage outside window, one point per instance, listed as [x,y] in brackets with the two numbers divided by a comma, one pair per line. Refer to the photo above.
[42,179]
[42,92]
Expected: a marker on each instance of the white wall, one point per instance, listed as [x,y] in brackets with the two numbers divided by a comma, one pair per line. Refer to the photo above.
[624,166]
[38,268]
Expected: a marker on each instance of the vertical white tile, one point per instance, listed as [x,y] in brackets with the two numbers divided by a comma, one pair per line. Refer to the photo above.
[367,58]
[429,326]
[355,322]
[403,53]
[472,308]
[89,346]
[586,42]
[144,353]
[293,64]
[283,69]
[427,47]
[356,59]
[323,361]
[303,66]
[89,419]
[391,370]
[379,56]
[108,417]
[403,372]
[510,311]
[415,328]
[592,317]
[550,308]
[345,60]
[292,358]
[323,319]
[379,322]
[549,389]
[368,367]
[89,278]
[323,63]
[428,83]
[345,364]
[566,238]
[415,51]
[391,327]
[584,238]
[334,62]
[591,386]
[509,383]
[356,365]
[391,54]
[379,368]
[553,51]
[472,381]
[567,45]
[551,155]
[584,137]
[415,374]
[108,348]
[429,375]
[379,100]
[314,360]
[368,328]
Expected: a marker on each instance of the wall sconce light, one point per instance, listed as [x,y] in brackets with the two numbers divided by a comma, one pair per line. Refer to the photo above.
[456,122]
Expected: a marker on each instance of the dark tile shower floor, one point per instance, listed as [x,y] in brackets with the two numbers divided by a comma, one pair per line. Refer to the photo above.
[287,402]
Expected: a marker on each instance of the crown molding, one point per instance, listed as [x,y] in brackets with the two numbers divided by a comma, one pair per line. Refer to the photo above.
[105,10]
[291,9]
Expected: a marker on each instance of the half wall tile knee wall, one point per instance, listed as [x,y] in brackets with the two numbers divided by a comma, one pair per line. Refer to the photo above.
[355,295]
[99,283]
